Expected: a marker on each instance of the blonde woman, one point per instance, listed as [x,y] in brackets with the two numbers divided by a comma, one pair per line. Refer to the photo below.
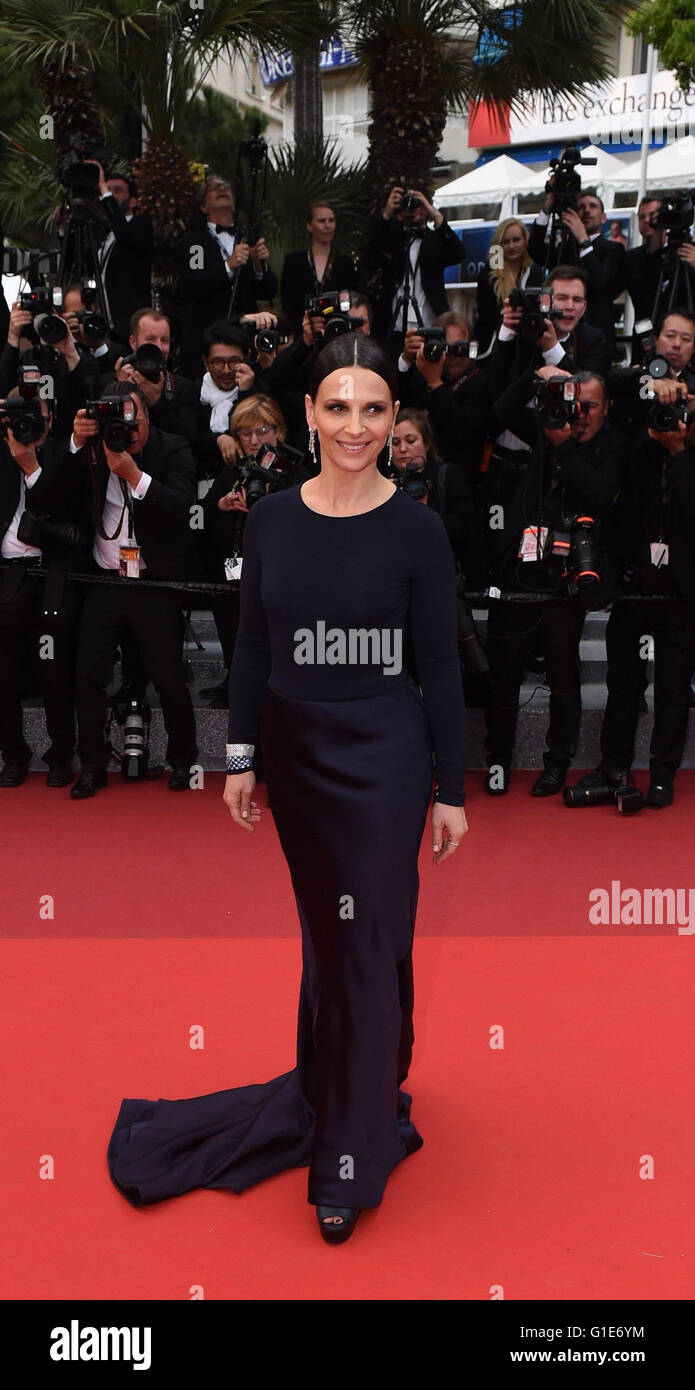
[496,280]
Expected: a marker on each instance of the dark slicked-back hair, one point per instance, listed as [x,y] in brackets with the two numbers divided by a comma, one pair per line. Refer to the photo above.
[353,350]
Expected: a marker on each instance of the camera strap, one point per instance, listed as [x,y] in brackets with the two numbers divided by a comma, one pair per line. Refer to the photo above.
[99,514]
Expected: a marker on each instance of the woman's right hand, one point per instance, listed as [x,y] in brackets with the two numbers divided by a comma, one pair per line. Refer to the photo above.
[238,790]
[228,447]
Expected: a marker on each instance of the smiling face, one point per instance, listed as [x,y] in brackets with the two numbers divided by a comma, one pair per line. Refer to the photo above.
[570,297]
[155,331]
[353,414]
[222,362]
[591,213]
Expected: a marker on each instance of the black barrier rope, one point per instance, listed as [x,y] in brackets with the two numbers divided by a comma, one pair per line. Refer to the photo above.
[478,599]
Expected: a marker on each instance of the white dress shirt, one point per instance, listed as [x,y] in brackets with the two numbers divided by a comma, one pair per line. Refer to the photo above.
[108,553]
[12,548]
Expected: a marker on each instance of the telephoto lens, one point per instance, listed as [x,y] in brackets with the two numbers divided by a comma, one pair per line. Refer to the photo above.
[50,328]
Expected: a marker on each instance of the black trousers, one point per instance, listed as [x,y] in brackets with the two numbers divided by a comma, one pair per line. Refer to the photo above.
[559,623]
[225,611]
[42,646]
[672,625]
[154,617]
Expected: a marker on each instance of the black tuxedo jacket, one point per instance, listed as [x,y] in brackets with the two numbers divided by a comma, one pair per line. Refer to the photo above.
[586,350]
[297,281]
[384,257]
[44,498]
[207,292]
[489,311]
[161,521]
[641,517]
[129,266]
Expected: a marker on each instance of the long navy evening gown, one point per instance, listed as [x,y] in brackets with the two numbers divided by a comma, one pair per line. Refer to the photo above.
[349,740]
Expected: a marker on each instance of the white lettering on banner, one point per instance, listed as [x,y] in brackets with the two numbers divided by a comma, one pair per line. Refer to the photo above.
[333,53]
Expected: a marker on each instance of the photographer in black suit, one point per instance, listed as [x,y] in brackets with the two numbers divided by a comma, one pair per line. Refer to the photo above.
[602,260]
[125,254]
[384,263]
[37,615]
[170,398]
[138,497]
[656,517]
[215,266]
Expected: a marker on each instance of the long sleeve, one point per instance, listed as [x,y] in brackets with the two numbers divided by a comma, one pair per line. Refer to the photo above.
[433,626]
[251,662]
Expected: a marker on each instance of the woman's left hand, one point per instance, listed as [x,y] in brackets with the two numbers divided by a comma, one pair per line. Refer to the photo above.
[449,826]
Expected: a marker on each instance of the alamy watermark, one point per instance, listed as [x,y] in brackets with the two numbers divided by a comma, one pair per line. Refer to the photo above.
[638,907]
[352,646]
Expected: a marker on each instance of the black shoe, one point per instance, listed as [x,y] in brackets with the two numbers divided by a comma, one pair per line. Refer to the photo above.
[497,780]
[13,774]
[217,692]
[551,780]
[180,780]
[601,777]
[335,1232]
[88,784]
[660,794]
[59,775]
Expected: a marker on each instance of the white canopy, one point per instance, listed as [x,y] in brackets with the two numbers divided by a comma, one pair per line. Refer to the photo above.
[673,166]
[608,173]
[494,182]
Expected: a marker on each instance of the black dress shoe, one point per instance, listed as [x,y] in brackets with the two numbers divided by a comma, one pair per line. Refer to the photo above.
[497,780]
[180,780]
[335,1232]
[660,794]
[59,775]
[217,692]
[88,784]
[551,780]
[13,774]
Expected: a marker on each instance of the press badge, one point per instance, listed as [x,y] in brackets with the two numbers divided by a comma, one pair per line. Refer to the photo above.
[530,549]
[659,552]
[232,567]
[129,566]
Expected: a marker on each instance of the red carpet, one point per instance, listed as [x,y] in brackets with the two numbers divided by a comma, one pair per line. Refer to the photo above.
[529,1177]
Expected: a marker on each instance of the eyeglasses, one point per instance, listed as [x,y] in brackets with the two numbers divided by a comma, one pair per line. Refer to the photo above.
[260,431]
[225,361]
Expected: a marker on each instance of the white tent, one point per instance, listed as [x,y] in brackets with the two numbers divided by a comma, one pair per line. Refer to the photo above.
[496,182]
[673,166]
[608,174]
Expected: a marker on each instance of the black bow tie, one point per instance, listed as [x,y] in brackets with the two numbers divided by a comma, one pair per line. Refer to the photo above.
[229,230]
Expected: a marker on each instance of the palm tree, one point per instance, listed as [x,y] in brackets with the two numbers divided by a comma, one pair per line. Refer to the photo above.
[425,58]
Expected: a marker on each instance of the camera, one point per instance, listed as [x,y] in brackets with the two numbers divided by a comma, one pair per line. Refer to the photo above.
[22,414]
[148,360]
[94,326]
[133,714]
[333,309]
[117,417]
[435,345]
[268,340]
[412,479]
[676,216]
[36,530]
[664,417]
[567,183]
[409,204]
[41,302]
[537,306]
[557,401]
[268,466]
[576,543]
[626,796]
[81,179]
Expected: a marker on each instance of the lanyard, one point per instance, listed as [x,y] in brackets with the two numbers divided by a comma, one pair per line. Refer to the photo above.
[319,284]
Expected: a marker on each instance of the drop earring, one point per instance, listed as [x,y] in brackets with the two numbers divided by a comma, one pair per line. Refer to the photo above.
[391,449]
[312,446]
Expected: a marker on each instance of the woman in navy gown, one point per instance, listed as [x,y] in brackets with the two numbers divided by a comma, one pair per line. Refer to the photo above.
[345,583]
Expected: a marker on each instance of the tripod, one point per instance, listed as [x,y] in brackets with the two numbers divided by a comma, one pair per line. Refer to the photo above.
[255,151]
[406,298]
[79,259]
[674,276]
[560,250]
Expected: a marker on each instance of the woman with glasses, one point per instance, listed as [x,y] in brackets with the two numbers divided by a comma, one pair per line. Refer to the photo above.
[258,433]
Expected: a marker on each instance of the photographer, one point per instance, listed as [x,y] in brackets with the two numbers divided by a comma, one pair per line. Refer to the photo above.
[670,360]
[555,539]
[229,377]
[564,340]
[602,260]
[317,270]
[656,516]
[258,434]
[215,267]
[89,330]
[171,399]
[35,611]
[661,272]
[66,375]
[137,499]
[401,225]
[418,468]
[125,254]
[495,282]
[445,379]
